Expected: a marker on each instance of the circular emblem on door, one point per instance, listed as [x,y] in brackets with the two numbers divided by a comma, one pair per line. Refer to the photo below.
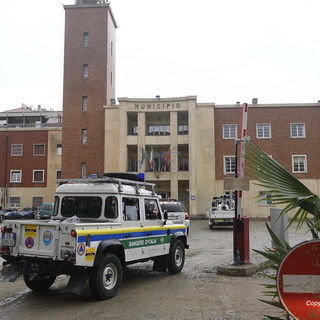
[47,237]
[29,242]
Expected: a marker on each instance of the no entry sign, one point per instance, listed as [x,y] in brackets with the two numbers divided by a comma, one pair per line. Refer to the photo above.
[298,281]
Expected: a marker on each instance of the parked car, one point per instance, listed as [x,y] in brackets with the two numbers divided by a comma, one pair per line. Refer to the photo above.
[46,210]
[11,213]
[27,213]
[176,211]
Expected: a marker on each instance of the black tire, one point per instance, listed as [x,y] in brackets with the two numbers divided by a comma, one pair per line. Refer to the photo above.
[176,257]
[105,279]
[38,285]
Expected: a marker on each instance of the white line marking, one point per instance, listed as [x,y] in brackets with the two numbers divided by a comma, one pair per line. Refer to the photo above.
[14,297]
[301,283]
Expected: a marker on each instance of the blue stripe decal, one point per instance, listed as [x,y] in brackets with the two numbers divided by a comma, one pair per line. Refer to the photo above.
[124,235]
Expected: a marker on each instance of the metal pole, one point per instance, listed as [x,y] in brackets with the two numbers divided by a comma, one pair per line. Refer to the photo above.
[239,173]
[235,223]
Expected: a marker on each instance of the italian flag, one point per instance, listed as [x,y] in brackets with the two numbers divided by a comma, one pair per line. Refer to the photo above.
[144,156]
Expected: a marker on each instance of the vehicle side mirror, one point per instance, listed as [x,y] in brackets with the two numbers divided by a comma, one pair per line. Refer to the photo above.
[165,216]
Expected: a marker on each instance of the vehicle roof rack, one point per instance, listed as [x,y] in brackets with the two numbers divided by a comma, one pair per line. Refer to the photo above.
[119,182]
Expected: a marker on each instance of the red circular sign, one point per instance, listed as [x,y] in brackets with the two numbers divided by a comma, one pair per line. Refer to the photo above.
[298,281]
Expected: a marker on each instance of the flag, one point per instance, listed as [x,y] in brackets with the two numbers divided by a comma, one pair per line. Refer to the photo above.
[160,160]
[167,157]
[151,159]
[144,156]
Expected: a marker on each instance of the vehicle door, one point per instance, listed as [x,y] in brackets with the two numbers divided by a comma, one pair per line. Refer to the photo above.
[157,241]
[133,230]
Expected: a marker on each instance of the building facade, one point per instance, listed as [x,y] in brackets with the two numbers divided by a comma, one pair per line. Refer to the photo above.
[166,131]
[289,133]
[30,158]
[201,141]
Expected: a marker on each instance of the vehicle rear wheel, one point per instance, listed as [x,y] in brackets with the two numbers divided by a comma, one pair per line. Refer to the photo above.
[37,284]
[176,257]
[105,279]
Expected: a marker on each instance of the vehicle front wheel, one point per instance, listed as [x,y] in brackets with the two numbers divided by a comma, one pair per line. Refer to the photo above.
[105,279]
[37,284]
[176,257]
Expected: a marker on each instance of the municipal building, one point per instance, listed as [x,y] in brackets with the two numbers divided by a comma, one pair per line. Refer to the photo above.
[186,148]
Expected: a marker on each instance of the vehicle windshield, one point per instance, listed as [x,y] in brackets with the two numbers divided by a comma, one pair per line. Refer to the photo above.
[82,207]
[172,207]
[46,207]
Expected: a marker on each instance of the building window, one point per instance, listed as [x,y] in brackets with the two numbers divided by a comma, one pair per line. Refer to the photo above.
[86,39]
[159,130]
[263,130]
[229,165]
[157,123]
[38,150]
[159,159]
[38,176]
[132,119]
[83,170]
[84,136]
[59,149]
[85,72]
[132,164]
[298,130]
[15,202]
[84,103]
[132,130]
[229,131]
[132,159]
[264,198]
[183,127]
[37,202]
[15,176]
[183,157]
[16,150]
[299,164]
[58,174]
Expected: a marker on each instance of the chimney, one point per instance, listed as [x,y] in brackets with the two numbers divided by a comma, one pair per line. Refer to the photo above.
[255,101]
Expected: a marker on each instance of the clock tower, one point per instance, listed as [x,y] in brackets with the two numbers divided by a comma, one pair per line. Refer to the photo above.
[88,85]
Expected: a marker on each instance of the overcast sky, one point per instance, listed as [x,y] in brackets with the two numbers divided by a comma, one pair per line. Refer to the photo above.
[222,51]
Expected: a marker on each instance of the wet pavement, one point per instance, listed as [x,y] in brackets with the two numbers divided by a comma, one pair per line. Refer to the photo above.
[198,292]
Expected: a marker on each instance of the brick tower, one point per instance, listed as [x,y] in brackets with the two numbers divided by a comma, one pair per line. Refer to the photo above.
[89,85]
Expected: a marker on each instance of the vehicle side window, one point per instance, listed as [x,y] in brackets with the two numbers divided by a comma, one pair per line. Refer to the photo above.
[82,207]
[151,209]
[131,209]
[56,205]
[111,208]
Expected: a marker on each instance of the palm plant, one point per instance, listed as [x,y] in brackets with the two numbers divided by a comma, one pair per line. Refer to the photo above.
[284,189]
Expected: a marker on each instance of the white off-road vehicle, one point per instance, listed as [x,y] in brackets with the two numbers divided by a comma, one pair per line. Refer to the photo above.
[222,211]
[98,227]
